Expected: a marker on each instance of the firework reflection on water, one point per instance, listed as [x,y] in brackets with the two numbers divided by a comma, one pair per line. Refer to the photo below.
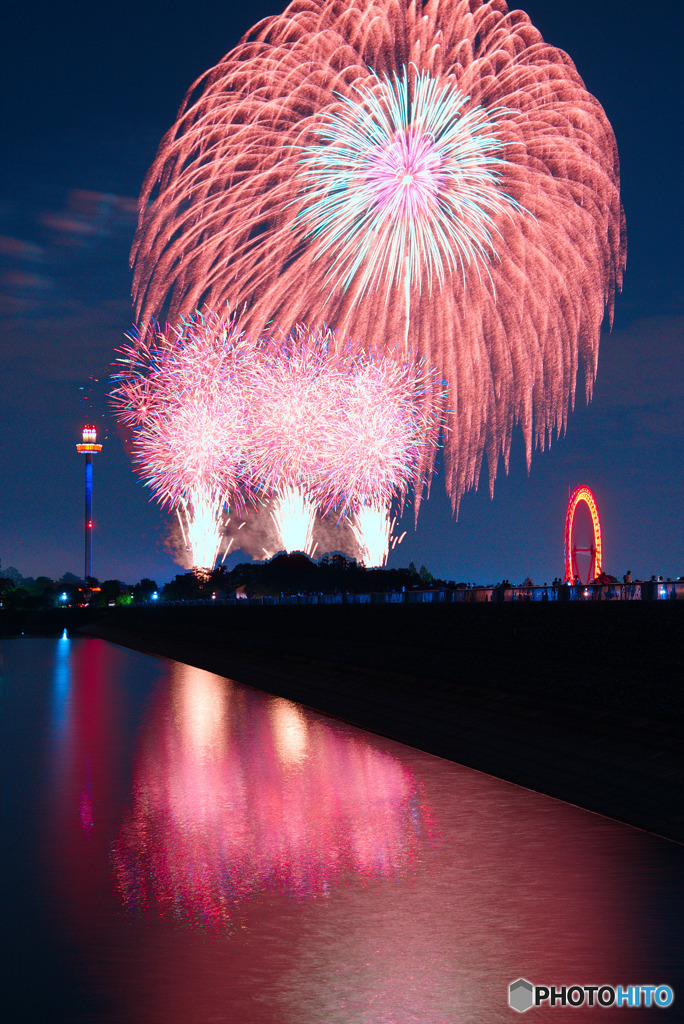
[228,803]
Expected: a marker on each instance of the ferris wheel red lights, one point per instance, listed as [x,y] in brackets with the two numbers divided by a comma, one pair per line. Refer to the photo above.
[582,493]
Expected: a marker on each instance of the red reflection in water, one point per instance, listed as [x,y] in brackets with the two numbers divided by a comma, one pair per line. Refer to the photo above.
[86,808]
[86,745]
[228,803]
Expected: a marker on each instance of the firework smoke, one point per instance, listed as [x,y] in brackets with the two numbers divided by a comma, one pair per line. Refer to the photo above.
[434,173]
[259,537]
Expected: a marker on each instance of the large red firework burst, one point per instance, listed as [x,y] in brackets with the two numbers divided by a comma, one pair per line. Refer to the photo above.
[485,232]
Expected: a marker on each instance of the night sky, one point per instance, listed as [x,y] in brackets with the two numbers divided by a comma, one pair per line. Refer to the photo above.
[90,89]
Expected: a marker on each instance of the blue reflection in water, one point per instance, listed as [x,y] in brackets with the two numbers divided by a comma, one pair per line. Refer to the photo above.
[61,684]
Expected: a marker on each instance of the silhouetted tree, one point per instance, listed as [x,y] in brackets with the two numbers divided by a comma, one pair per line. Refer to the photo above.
[144,590]
[68,577]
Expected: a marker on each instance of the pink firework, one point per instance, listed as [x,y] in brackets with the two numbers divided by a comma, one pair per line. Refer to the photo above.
[406,176]
[296,389]
[184,395]
[434,175]
[402,187]
[334,427]
[385,431]
[294,401]
[301,420]
[385,437]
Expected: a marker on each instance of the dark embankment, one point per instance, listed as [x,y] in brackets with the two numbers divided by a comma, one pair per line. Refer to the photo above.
[583,702]
[46,621]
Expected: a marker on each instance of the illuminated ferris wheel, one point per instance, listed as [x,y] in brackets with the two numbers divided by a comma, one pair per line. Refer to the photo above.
[582,493]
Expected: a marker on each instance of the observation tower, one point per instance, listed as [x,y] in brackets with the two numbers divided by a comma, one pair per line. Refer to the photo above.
[89,448]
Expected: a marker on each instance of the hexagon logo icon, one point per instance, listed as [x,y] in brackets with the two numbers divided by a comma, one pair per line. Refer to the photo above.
[521,995]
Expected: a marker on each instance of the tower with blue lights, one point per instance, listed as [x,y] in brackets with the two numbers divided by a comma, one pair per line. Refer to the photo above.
[89,447]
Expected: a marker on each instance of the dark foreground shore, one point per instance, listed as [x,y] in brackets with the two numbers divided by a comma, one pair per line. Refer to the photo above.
[584,702]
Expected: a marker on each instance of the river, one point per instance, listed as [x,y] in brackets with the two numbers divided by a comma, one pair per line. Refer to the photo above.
[181,849]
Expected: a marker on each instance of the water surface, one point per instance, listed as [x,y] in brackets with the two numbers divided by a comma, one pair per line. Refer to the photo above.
[182,849]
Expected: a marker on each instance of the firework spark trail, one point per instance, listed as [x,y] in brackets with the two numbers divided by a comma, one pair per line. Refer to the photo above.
[372,527]
[403,187]
[293,513]
[507,285]
[184,393]
[385,431]
[200,517]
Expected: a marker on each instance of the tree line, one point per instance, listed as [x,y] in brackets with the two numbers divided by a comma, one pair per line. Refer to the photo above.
[283,574]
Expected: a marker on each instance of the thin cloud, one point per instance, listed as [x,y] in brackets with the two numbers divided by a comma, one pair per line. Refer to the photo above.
[88,215]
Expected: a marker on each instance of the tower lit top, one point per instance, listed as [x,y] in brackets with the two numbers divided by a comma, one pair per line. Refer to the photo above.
[89,442]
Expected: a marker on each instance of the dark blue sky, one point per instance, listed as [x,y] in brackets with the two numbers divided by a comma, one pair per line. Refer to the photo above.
[89,91]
